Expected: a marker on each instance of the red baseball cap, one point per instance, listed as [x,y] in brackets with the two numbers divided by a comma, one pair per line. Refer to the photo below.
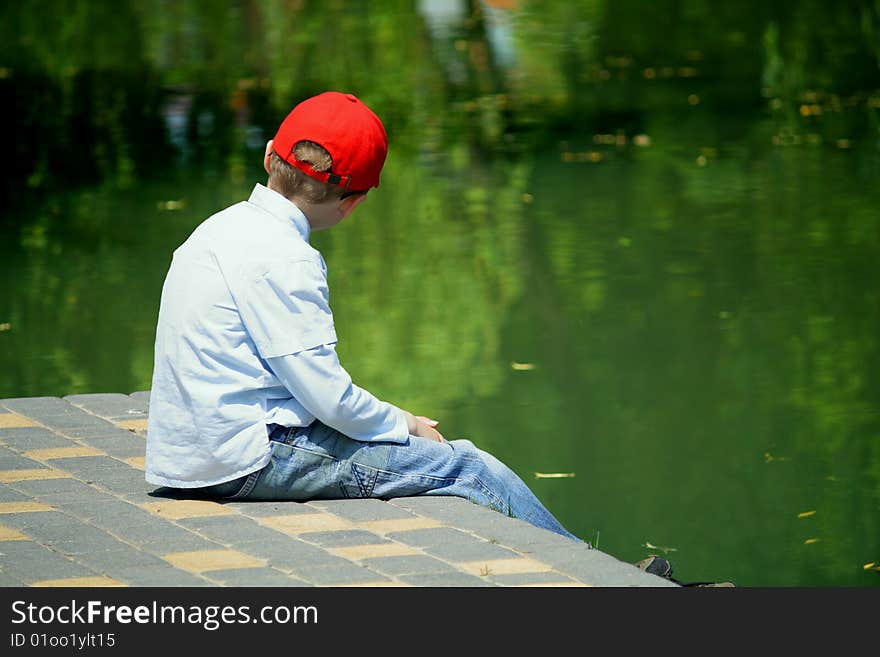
[349,130]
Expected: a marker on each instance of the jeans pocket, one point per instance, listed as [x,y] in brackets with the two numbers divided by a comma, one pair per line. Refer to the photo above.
[361,482]
[298,473]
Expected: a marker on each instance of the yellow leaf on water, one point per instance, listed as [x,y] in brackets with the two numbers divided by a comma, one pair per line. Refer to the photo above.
[809,541]
[869,566]
[522,367]
[806,514]
[554,475]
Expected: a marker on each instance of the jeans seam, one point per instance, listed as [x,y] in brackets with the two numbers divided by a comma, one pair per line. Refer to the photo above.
[364,485]
[248,485]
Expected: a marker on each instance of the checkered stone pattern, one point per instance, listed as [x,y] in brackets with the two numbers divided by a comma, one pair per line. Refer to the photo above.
[75,511]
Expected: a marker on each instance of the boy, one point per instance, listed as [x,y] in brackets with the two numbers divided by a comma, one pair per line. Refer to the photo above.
[249,399]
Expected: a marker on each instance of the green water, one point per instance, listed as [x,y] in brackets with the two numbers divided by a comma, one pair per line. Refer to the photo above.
[636,248]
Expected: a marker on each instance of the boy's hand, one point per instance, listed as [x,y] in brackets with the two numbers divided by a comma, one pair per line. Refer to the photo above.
[423,427]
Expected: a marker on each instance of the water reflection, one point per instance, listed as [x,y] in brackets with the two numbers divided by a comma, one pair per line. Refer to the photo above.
[631,243]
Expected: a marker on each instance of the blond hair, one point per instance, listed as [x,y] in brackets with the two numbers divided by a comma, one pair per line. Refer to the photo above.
[293,183]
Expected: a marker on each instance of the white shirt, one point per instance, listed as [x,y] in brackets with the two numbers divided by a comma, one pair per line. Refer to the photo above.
[245,338]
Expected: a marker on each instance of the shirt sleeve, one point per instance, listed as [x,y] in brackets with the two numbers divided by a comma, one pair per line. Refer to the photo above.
[286,308]
[318,381]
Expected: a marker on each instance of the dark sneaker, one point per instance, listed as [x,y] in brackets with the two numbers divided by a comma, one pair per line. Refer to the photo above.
[662,568]
[656,566]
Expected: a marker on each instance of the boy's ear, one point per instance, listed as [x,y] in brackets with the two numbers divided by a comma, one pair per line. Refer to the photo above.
[267,156]
[349,203]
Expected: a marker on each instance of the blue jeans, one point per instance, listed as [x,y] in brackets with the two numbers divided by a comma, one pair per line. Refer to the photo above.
[318,462]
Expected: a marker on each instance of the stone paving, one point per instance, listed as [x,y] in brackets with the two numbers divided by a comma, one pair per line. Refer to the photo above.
[75,510]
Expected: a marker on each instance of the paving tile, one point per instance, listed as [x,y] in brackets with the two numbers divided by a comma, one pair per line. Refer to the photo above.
[199,561]
[134,525]
[170,537]
[15,420]
[363,510]
[11,534]
[438,506]
[48,528]
[8,581]
[399,525]
[88,544]
[67,487]
[510,566]
[35,474]
[263,509]
[136,424]
[88,503]
[16,508]
[31,562]
[450,579]
[124,481]
[290,554]
[9,495]
[161,577]
[477,550]
[27,438]
[301,523]
[548,578]
[142,397]
[35,406]
[10,460]
[108,404]
[341,575]
[123,444]
[73,451]
[344,537]
[232,530]
[362,552]
[407,565]
[86,466]
[95,581]
[177,509]
[439,535]
[254,577]
[77,424]
[524,536]
[116,562]
[453,545]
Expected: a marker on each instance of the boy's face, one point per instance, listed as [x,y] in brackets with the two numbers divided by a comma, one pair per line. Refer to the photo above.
[327,215]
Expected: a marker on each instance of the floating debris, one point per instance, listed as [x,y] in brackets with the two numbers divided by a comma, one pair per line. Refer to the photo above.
[172,205]
[642,140]
[806,514]
[527,198]
[810,541]
[693,99]
[522,367]
[871,566]
[662,548]
[6,326]
[554,475]
[768,457]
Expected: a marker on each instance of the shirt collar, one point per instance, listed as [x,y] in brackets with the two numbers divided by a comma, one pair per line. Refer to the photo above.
[280,207]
